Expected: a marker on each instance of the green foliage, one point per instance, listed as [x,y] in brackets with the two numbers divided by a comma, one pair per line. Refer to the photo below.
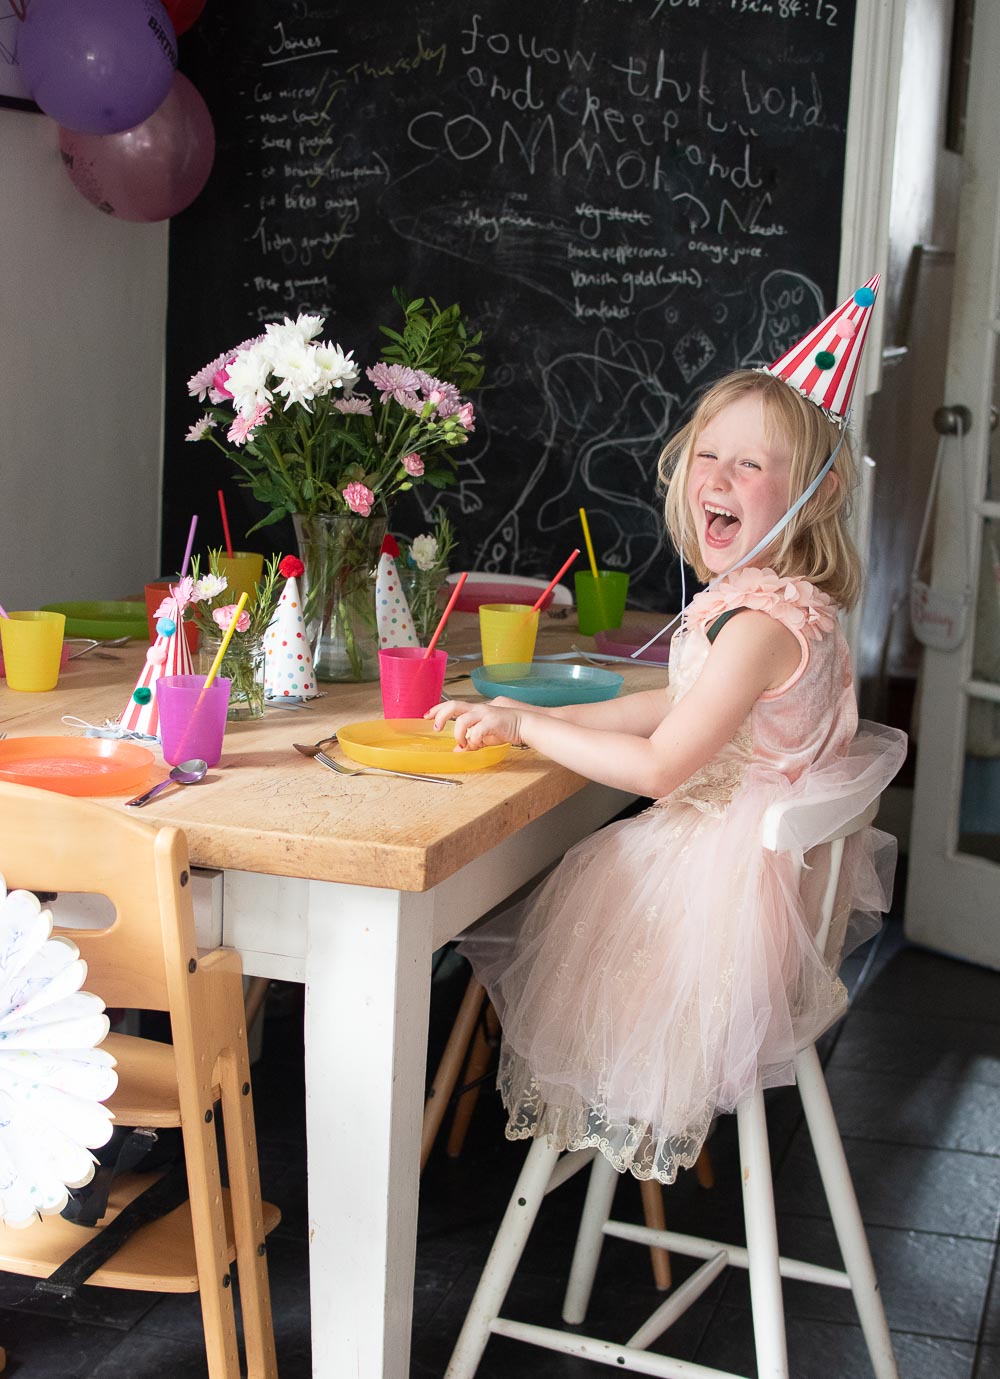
[435,340]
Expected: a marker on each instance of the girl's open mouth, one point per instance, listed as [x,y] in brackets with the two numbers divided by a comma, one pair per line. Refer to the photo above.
[721,525]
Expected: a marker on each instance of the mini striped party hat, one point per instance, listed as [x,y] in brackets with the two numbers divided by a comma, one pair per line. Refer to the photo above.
[823,366]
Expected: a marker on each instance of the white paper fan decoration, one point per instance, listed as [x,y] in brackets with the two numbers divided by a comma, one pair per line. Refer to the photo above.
[53,1078]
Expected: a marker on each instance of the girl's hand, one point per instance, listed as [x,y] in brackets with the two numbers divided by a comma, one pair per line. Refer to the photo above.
[479,725]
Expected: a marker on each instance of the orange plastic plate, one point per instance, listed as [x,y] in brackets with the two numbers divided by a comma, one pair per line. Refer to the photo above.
[75,765]
[411,744]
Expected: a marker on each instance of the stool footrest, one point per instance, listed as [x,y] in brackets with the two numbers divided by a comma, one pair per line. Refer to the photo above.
[697,1248]
[622,1357]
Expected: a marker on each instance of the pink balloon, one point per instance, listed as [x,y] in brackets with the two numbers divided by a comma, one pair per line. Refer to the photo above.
[150,172]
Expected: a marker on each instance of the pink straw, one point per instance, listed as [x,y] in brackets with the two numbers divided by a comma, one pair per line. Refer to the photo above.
[225,525]
[4,613]
[552,584]
[446,614]
[187,548]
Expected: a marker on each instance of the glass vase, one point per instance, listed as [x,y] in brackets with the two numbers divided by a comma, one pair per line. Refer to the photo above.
[422,588]
[243,665]
[340,553]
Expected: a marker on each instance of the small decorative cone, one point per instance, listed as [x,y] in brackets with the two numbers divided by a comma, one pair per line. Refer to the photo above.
[288,662]
[169,655]
[53,1078]
[823,366]
[392,612]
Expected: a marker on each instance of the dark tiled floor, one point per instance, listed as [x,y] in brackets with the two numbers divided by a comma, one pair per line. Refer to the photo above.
[914,1072]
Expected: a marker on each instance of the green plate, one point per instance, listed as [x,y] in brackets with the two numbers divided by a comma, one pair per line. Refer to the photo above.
[102,620]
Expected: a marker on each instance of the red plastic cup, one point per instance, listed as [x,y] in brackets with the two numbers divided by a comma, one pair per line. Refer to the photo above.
[192,718]
[411,680]
[155,594]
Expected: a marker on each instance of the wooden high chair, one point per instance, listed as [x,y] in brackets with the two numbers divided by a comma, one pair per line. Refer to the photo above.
[544,1169]
[147,959]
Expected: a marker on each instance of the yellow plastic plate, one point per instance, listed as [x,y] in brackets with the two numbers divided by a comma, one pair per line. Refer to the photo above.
[411,744]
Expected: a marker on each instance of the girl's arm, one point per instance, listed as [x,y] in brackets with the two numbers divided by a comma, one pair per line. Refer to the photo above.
[640,713]
[752,654]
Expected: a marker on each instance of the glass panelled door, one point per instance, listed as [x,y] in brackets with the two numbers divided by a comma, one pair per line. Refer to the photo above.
[953,895]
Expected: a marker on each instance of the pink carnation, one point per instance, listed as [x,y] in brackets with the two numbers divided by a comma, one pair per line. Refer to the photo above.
[413,465]
[224,616]
[359,499]
[221,379]
[467,417]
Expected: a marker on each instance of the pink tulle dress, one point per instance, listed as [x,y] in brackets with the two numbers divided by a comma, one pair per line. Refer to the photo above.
[667,965]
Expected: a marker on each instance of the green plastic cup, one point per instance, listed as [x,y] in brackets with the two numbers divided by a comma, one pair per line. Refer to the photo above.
[600,603]
[507,632]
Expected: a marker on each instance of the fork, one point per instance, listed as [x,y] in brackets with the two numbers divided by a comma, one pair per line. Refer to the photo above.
[329,762]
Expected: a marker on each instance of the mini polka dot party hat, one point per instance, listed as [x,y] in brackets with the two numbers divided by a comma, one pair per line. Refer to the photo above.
[288,662]
[392,611]
[169,655]
[823,366]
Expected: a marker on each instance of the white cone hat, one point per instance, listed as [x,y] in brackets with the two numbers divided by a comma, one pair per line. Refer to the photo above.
[169,655]
[823,366]
[392,611]
[288,662]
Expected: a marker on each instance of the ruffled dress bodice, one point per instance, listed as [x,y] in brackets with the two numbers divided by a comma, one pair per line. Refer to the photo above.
[669,964]
[810,719]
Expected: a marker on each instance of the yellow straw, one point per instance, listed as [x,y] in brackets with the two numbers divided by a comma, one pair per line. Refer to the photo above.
[225,642]
[589,544]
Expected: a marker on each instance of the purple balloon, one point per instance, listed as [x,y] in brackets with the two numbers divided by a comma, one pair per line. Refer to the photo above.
[98,66]
[150,172]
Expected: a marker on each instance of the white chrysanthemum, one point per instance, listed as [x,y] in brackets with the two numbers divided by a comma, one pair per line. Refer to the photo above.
[247,380]
[337,369]
[309,326]
[425,552]
[280,335]
[294,365]
[208,587]
[53,1078]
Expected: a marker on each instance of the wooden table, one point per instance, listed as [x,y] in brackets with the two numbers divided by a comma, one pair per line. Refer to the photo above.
[349,885]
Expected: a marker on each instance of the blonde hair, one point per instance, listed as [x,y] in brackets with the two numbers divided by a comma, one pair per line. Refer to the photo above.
[815,545]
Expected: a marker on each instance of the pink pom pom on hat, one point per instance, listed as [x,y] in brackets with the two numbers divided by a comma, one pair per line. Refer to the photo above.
[823,366]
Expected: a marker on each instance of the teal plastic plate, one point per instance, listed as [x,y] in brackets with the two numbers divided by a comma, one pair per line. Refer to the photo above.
[548,684]
[102,621]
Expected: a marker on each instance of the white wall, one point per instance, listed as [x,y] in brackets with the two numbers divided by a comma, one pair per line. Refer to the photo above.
[83,303]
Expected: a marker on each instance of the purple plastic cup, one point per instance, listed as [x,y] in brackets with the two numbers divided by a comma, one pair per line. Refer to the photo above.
[192,718]
[411,684]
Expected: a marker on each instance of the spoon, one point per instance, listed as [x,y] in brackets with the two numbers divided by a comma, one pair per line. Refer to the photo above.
[187,773]
[115,641]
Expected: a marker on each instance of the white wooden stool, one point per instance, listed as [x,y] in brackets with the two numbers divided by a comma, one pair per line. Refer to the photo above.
[545,1169]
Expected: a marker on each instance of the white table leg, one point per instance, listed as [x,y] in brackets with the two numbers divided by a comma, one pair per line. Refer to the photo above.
[367,995]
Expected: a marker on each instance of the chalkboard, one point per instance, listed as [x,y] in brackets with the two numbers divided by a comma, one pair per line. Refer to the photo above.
[628,197]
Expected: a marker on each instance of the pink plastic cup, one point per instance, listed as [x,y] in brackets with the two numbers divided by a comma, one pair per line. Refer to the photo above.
[411,684]
[192,718]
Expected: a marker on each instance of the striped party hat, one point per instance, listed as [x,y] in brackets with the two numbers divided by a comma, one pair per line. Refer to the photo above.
[169,655]
[823,366]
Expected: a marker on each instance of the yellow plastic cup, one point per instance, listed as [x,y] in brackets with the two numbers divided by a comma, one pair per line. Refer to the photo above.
[32,649]
[507,632]
[242,570]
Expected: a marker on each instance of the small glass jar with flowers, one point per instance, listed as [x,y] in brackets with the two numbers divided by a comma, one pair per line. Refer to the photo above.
[212,608]
[423,569]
